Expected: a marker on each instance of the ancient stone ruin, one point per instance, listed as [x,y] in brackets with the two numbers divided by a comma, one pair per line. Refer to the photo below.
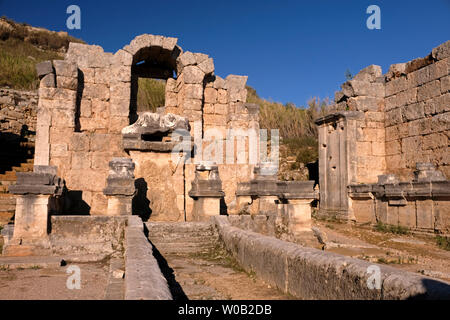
[101,168]
[386,156]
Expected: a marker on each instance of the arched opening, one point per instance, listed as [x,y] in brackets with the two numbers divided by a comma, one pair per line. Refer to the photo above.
[151,68]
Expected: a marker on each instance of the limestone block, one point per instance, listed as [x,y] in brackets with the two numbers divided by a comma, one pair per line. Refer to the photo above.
[169,43]
[100,142]
[207,66]
[396,85]
[88,75]
[429,90]
[119,107]
[393,147]
[208,108]
[65,69]
[103,75]
[57,93]
[87,56]
[31,218]
[44,68]
[210,95]
[100,109]
[58,150]
[222,96]
[42,147]
[413,112]
[121,90]
[193,91]
[425,214]
[192,104]
[439,69]
[67,82]
[85,108]
[48,81]
[116,124]
[299,212]
[119,205]
[365,103]
[407,215]
[122,58]
[354,88]
[221,109]
[369,74]
[442,51]
[79,141]
[440,122]
[171,99]
[193,74]
[187,59]
[96,91]
[445,84]
[81,160]
[63,118]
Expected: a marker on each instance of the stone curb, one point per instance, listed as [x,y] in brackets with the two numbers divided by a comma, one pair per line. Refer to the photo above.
[143,277]
[309,273]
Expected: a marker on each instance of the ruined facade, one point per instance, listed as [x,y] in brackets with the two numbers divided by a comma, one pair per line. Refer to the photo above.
[87,115]
[385,156]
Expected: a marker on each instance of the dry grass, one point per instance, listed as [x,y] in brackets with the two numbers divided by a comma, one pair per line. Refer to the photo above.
[151,94]
[21,47]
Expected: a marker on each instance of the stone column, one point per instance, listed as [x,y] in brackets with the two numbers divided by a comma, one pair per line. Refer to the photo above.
[120,187]
[36,194]
[207,192]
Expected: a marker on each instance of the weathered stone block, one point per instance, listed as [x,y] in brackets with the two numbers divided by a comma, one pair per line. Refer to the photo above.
[429,90]
[210,95]
[65,69]
[44,68]
[193,91]
[99,142]
[413,112]
[193,74]
[48,81]
[67,82]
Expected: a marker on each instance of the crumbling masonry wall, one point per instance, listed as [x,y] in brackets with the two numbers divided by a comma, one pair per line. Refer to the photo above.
[87,99]
[388,124]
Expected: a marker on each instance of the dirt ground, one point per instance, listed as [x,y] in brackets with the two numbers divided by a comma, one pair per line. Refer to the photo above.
[50,283]
[416,253]
[203,277]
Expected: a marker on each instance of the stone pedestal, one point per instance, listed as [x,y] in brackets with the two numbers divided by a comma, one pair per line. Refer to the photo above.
[207,192]
[297,197]
[120,187]
[36,194]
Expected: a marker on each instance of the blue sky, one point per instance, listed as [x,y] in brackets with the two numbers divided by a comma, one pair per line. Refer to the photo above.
[291,50]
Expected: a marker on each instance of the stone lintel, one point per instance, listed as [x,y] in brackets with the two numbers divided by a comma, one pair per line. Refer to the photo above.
[350,115]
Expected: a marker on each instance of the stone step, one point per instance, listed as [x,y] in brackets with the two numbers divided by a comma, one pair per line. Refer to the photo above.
[7,182]
[167,229]
[6,198]
[182,239]
[6,195]
[10,176]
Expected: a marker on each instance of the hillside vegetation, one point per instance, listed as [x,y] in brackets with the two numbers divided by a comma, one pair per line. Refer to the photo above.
[22,46]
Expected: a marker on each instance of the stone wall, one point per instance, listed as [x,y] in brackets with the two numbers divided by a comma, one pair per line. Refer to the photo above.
[87,99]
[417,105]
[390,124]
[309,273]
[17,109]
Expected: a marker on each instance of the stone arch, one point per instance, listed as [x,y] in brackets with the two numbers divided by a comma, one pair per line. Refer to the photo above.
[152,57]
